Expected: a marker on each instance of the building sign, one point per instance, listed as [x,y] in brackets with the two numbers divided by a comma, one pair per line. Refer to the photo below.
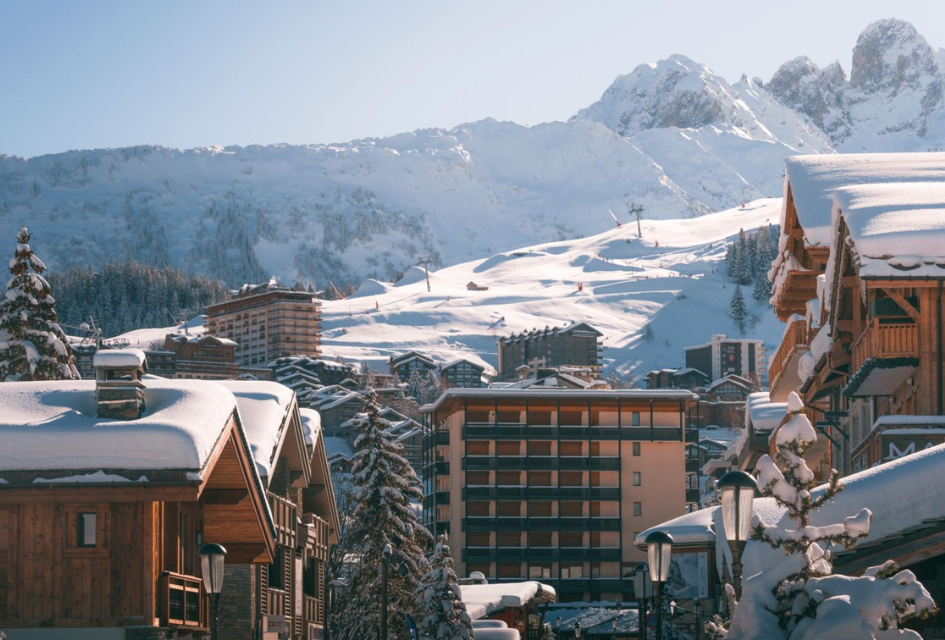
[276,624]
[688,575]
[897,446]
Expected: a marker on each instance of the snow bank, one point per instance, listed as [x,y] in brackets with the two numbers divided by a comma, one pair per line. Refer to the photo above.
[53,425]
[369,287]
[263,407]
[118,358]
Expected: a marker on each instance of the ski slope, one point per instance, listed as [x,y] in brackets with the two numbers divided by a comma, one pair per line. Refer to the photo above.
[673,278]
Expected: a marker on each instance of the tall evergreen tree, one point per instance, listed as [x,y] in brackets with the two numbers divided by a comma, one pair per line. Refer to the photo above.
[431,389]
[414,388]
[386,489]
[737,310]
[366,377]
[32,345]
[444,612]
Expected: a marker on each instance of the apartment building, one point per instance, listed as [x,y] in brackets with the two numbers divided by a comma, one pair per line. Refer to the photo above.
[722,356]
[202,357]
[553,485]
[267,322]
[577,344]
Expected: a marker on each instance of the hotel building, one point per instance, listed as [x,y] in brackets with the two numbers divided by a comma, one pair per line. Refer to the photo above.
[553,485]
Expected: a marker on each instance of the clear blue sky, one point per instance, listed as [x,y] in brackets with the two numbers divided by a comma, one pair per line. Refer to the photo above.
[183,74]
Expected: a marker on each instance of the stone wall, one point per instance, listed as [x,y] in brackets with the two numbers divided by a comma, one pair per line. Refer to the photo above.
[237,610]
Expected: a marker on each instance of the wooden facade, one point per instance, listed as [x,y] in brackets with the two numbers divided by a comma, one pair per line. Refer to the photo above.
[112,555]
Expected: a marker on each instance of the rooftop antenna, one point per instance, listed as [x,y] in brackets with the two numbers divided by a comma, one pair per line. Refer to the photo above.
[425,261]
[637,209]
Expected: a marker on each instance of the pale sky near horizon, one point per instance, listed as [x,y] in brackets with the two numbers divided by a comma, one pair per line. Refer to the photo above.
[93,74]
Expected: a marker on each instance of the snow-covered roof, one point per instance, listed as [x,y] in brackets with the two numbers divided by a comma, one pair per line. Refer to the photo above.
[897,229]
[119,358]
[764,414]
[263,407]
[337,446]
[733,379]
[483,599]
[815,178]
[311,425]
[453,363]
[53,425]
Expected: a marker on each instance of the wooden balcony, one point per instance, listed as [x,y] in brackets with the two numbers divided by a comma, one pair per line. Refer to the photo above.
[285,516]
[886,341]
[182,602]
[794,343]
[795,291]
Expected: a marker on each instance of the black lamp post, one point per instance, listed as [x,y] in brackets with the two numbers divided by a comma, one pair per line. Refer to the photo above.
[577,629]
[659,547]
[613,629]
[337,582]
[737,490]
[642,589]
[558,627]
[212,557]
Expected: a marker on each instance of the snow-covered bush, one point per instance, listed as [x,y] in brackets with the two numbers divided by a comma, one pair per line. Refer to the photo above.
[444,613]
[797,598]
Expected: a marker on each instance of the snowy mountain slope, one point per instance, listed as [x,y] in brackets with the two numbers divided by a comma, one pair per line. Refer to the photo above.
[672,279]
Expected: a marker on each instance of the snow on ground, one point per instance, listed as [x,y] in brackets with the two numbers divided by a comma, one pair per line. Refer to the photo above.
[673,278]
[144,338]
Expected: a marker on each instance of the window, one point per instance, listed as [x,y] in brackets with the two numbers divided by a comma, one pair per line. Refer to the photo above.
[477,448]
[539,509]
[477,539]
[509,570]
[509,539]
[509,478]
[537,571]
[636,448]
[638,508]
[637,479]
[508,448]
[539,478]
[595,538]
[571,509]
[571,538]
[595,509]
[572,571]
[310,585]
[539,448]
[477,508]
[509,509]
[572,448]
[477,478]
[635,419]
[87,529]
[595,570]
[277,570]
[572,478]
[539,539]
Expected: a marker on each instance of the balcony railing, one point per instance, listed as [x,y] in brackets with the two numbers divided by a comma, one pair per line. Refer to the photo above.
[576,463]
[284,516]
[794,342]
[566,432]
[488,523]
[182,602]
[540,493]
[886,340]
[538,554]
[692,495]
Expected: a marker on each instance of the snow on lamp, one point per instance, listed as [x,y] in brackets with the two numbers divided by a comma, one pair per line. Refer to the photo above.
[737,490]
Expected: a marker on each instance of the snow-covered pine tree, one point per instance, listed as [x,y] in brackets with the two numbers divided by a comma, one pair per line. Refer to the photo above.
[797,598]
[414,387]
[444,612]
[32,344]
[366,377]
[731,256]
[761,292]
[431,390]
[737,310]
[386,489]
[742,271]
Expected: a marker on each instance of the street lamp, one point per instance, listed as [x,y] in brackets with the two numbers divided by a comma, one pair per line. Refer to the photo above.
[558,627]
[212,557]
[642,586]
[613,629]
[737,490]
[577,629]
[659,547]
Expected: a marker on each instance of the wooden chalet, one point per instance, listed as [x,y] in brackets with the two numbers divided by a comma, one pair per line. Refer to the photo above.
[461,373]
[405,364]
[288,594]
[101,518]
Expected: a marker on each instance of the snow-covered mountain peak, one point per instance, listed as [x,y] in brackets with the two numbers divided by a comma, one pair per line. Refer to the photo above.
[891,55]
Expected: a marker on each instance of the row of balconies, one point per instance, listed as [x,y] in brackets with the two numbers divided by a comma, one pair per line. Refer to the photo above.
[540,493]
[535,554]
[545,432]
[488,523]
[541,462]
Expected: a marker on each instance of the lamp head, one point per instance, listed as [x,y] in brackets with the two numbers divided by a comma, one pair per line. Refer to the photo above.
[737,491]
[212,557]
[659,547]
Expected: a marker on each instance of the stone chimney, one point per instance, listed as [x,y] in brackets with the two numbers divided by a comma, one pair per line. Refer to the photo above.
[119,390]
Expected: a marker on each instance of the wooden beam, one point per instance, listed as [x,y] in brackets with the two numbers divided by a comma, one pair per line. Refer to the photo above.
[903,303]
